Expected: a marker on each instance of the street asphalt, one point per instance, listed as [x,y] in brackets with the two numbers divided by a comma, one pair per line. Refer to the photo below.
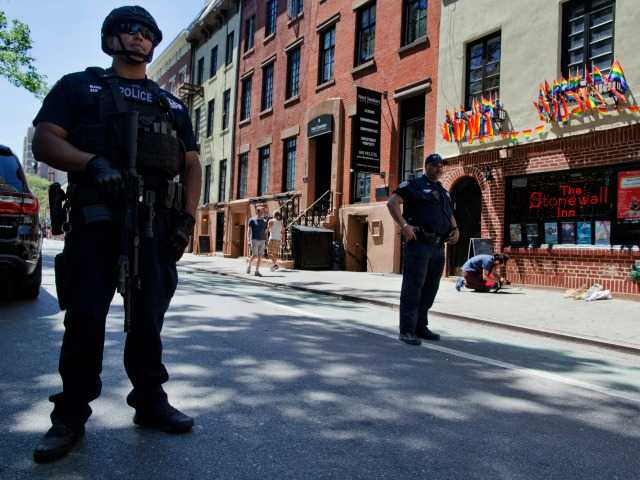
[286,384]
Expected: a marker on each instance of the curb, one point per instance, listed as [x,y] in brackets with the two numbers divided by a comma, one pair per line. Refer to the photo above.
[479,321]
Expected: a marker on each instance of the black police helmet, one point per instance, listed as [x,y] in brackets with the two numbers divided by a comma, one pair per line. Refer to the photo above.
[131,14]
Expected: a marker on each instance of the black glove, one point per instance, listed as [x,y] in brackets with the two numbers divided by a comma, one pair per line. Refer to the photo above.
[182,231]
[107,178]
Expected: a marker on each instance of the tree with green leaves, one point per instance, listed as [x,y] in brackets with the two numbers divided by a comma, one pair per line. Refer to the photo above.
[40,188]
[16,65]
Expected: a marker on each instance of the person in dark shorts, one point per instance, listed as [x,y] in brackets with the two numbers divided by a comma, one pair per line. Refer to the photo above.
[258,238]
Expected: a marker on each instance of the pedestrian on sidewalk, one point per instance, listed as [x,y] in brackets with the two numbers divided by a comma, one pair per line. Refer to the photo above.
[427,223]
[77,117]
[276,229]
[258,238]
[479,273]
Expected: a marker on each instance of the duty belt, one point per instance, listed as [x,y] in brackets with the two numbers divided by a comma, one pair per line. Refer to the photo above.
[429,238]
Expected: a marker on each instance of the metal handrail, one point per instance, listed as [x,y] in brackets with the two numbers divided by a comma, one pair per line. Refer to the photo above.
[303,214]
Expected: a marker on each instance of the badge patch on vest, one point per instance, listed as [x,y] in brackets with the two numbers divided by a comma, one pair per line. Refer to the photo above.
[134,92]
[173,104]
[94,88]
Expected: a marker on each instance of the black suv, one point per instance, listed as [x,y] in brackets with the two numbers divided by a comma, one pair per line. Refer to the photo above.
[20,231]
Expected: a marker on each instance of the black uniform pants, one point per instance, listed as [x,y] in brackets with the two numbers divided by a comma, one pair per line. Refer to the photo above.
[91,253]
[423,266]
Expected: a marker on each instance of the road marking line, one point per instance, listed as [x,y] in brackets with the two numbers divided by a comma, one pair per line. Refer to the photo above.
[478,358]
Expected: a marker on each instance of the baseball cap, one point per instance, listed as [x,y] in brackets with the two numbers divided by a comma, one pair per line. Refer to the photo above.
[435,158]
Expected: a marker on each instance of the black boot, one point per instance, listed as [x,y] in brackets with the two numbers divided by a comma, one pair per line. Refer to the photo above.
[429,335]
[56,443]
[409,339]
[163,417]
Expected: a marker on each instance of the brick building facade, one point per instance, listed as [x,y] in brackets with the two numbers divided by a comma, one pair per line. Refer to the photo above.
[546,190]
[337,47]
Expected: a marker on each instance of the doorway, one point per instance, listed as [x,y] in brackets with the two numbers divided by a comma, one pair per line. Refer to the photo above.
[467,209]
[219,231]
[357,239]
[322,171]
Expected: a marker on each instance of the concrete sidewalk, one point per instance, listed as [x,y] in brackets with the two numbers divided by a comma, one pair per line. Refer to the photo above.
[608,323]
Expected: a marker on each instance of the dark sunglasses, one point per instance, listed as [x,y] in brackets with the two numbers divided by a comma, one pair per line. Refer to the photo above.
[133,28]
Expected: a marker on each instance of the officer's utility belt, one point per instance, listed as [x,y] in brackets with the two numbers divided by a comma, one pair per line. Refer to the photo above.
[166,194]
[429,238]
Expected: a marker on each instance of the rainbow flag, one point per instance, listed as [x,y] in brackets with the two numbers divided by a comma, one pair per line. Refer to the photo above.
[616,75]
[540,129]
[527,133]
[633,108]
[514,135]
[598,78]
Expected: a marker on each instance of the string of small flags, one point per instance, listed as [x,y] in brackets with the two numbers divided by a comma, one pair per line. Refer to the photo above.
[556,103]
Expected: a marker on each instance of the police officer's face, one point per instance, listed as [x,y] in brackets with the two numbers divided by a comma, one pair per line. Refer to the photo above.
[133,42]
[433,171]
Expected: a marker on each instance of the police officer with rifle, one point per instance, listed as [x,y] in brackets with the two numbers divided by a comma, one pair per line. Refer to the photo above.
[134,183]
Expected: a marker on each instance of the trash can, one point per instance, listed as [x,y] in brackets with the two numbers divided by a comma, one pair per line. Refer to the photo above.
[311,247]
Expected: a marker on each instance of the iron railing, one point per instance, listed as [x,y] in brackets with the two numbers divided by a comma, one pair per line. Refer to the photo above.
[314,216]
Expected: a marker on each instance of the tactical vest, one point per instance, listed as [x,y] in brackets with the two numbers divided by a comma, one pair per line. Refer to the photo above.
[161,154]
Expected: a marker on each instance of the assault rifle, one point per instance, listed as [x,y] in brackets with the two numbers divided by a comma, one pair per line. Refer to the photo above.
[124,136]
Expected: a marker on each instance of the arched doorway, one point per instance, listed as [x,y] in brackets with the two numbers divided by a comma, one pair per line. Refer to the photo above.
[467,209]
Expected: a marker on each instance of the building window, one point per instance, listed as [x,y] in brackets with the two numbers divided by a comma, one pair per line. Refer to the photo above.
[293,73]
[180,78]
[200,71]
[483,69]
[213,64]
[249,31]
[294,8]
[210,110]
[327,54]
[289,170]
[196,124]
[243,174]
[222,182]
[267,87]
[366,33]
[415,20]
[228,58]
[207,184]
[412,137]
[588,33]
[245,104]
[271,17]
[362,190]
[577,206]
[264,154]
[226,100]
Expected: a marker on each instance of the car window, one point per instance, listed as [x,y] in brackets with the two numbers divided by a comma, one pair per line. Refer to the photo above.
[11,176]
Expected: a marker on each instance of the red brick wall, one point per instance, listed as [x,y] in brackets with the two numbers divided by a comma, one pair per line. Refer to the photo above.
[272,124]
[392,70]
[557,267]
[573,268]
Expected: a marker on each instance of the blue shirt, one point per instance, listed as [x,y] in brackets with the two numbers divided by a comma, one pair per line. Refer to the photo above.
[427,205]
[258,228]
[479,263]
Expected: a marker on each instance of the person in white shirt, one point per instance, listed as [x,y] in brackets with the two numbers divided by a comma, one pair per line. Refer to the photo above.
[276,228]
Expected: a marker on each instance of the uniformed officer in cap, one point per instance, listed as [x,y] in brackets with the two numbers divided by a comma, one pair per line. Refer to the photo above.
[71,135]
[427,223]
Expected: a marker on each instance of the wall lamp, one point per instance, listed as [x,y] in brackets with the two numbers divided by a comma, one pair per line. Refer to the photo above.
[488,174]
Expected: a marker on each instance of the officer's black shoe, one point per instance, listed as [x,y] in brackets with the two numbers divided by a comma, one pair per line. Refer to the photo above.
[56,443]
[409,339]
[429,335]
[163,417]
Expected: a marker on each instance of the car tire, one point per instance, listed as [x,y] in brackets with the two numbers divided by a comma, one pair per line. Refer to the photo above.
[31,285]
